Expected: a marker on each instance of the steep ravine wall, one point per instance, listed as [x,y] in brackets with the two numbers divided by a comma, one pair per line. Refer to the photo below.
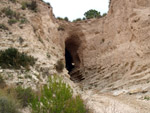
[39,37]
[114,50]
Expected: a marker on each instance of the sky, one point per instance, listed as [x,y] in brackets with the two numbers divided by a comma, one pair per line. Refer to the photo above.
[74,9]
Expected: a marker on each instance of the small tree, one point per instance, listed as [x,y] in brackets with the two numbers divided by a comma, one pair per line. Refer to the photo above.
[56,97]
[92,14]
[66,19]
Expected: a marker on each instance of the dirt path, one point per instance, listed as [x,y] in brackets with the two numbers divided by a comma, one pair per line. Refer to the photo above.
[106,103]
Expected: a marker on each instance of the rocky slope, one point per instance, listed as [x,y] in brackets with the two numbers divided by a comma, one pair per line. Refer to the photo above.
[110,54]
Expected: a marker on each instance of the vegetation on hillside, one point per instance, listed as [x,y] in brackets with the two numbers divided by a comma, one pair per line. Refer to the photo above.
[92,14]
[13,17]
[12,58]
[8,104]
[30,5]
[56,97]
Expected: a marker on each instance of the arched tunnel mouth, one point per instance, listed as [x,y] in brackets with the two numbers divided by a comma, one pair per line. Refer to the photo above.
[72,59]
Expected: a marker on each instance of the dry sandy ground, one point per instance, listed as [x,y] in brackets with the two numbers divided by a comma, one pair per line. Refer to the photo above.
[106,103]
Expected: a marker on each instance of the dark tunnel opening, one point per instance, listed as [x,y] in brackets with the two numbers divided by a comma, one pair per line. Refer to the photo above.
[72,58]
[69,61]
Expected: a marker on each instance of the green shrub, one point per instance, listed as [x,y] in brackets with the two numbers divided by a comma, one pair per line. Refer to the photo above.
[59,66]
[24,5]
[59,18]
[48,4]
[56,97]
[12,21]
[3,26]
[25,95]
[78,19]
[92,13]
[8,12]
[8,105]
[147,98]
[66,19]
[12,58]
[32,6]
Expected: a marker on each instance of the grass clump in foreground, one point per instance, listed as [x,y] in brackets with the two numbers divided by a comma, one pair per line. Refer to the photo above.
[12,58]
[25,95]
[56,97]
[8,104]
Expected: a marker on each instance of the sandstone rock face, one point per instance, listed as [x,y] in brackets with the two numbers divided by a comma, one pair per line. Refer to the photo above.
[38,36]
[110,55]
[114,50]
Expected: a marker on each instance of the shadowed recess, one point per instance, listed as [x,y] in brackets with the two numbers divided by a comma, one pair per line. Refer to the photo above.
[72,57]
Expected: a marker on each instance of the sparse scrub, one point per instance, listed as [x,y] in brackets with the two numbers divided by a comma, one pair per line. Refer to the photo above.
[3,26]
[25,95]
[24,5]
[31,5]
[23,20]
[12,21]
[8,12]
[12,58]
[8,104]
[56,97]
[78,19]
[13,16]
[147,98]
[59,66]
[59,18]
[66,18]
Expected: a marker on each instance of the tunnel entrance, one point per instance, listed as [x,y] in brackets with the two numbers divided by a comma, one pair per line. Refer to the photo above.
[72,58]
[69,61]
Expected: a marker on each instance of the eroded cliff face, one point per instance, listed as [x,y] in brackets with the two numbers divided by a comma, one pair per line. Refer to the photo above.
[114,50]
[37,36]
[109,55]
